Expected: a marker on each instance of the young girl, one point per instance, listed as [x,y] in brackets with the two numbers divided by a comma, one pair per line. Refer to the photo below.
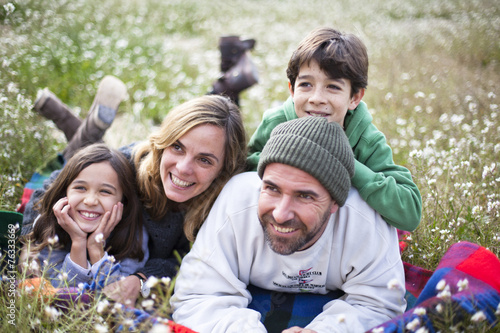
[93,209]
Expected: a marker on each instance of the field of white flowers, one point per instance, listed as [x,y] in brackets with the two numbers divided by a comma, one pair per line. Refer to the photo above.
[433,90]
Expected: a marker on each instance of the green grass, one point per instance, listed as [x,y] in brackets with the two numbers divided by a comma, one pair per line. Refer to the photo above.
[433,91]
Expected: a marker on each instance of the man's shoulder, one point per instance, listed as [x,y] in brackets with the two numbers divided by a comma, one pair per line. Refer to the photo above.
[241,190]
[249,178]
[358,209]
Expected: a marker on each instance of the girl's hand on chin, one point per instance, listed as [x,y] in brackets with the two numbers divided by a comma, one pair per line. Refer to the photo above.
[61,211]
[96,240]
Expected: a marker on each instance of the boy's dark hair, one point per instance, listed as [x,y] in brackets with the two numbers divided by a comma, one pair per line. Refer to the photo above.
[339,55]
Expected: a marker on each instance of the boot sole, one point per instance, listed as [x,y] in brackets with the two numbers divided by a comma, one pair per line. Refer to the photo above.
[110,93]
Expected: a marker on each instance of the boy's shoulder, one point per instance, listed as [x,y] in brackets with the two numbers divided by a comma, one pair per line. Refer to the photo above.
[280,113]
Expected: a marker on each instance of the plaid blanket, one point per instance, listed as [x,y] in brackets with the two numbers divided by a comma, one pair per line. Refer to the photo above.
[467,278]
[37,179]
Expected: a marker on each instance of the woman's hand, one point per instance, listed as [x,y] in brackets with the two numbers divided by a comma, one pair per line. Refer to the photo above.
[95,242]
[125,291]
[78,252]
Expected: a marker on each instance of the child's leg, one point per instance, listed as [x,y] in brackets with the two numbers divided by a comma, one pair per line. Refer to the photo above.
[238,70]
[110,93]
[51,107]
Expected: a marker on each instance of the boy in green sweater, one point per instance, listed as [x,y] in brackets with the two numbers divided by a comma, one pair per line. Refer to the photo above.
[328,75]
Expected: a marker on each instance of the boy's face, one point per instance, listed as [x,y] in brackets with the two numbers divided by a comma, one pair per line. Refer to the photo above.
[316,94]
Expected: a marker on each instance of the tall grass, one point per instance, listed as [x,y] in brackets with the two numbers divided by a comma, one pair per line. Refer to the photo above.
[433,89]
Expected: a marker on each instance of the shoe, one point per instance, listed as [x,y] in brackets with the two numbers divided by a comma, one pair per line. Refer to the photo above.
[48,105]
[231,49]
[110,93]
[238,78]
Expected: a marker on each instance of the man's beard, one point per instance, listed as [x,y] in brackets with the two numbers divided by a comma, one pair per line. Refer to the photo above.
[286,245]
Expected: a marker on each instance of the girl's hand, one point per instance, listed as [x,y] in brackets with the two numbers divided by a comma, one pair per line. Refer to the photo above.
[95,242]
[78,252]
[61,209]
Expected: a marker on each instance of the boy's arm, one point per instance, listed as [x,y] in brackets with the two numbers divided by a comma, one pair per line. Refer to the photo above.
[385,186]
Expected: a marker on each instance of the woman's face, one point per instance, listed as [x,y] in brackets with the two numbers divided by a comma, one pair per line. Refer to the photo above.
[191,164]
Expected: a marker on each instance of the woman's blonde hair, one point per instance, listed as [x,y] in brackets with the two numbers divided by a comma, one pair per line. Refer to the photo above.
[210,109]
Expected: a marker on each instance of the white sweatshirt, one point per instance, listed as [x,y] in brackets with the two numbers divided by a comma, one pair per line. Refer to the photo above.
[357,253]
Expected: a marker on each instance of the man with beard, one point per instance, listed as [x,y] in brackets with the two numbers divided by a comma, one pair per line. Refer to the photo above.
[295,251]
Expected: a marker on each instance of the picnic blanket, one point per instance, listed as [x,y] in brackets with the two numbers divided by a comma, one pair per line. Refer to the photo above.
[37,179]
[467,278]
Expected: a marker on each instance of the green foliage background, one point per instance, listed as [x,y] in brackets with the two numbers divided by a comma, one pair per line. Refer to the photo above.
[433,85]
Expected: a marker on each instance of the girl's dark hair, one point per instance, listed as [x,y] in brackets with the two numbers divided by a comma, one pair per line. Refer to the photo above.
[125,240]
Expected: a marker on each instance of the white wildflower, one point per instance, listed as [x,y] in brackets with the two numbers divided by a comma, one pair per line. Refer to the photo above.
[393,284]
[148,304]
[413,325]
[422,330]
[128,322]
[166,280]
[99,238]
[51,313]
[445,294]
[29,289]
[33,265]
[112,259]
[478,316]
[102,306]
[152,281]
[463,284]
[101,328]
[117,308]
[441,285]
[160,328]
[53,240]
[419,311]
[9,8]
[63,276]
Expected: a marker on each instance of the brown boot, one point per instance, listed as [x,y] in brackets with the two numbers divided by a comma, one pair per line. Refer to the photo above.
[51,107]
[110,93]
[232,49]
[238,78]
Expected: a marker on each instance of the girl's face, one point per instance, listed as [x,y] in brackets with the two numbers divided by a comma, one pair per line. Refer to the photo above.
[191,164]
[92,193]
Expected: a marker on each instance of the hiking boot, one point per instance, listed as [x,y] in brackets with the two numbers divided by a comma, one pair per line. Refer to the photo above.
[48,105]
[110,93]
[238,78]
[231,49]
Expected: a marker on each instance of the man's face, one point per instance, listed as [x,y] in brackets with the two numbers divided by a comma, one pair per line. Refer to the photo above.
[317,95]
[294,208]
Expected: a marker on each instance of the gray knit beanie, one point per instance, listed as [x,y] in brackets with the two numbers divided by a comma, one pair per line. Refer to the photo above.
[315,146]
